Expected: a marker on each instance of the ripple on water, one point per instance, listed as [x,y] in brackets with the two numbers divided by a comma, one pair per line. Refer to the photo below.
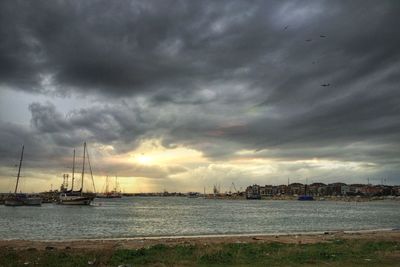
[157,216]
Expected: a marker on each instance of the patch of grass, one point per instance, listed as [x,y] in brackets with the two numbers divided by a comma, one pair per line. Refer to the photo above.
[218,257]
[343,253]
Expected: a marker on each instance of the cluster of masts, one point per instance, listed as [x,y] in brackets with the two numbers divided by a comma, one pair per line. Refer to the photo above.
[217,189]
[66,197]
[114,193]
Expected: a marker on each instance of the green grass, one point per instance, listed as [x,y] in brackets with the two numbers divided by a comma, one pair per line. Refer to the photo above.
[341,253]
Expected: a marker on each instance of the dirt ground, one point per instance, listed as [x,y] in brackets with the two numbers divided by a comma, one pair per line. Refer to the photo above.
[134,243]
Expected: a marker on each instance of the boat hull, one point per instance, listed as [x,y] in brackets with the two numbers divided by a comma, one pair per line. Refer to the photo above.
[22,200]
[305,198]
[108,196]
[32,201]
[13,202]
[75,200]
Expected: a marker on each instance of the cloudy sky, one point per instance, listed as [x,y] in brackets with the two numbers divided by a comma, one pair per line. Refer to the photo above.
[181,95]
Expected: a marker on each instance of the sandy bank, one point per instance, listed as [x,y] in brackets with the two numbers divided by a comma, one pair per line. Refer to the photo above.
[112,244]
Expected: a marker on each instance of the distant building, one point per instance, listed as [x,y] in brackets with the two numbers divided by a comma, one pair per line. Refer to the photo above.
[345,189]
[335,189]
[316,189]
[269,190]
[296,189]
[356,189]
[253,192]
[320,189]
[371,190]
[281,189]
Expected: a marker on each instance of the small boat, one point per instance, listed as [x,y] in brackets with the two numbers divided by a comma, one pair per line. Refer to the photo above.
[115,193]
[193,195]
[19,199]
[305,198]
[15,200]
[70,197]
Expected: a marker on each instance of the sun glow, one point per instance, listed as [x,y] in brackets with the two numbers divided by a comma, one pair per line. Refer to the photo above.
[151,152]
[143,159]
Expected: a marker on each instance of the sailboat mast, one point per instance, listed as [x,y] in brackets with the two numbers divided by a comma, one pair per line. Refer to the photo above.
[19,169]
[73,171]
[83,166]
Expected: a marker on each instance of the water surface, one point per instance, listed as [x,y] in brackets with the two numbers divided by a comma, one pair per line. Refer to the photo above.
[170,216]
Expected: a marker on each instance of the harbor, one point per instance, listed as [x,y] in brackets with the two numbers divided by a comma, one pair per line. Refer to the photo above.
[128,217]
[199,133]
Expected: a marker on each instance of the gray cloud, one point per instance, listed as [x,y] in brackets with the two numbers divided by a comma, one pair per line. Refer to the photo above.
[219,77]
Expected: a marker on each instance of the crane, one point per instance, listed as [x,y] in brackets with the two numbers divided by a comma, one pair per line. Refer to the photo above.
[234,187]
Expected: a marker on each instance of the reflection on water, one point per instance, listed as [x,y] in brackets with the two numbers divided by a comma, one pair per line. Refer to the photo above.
[157,216]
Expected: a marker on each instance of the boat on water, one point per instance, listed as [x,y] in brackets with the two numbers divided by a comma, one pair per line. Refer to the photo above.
[15,200]
[20,199]
[193,195]
[115,193]
[306,196]
[71,197]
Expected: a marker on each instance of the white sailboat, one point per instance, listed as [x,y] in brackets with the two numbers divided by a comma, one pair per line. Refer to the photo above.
[77,197]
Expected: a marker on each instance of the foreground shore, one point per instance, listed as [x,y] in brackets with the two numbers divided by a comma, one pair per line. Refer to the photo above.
[368,248]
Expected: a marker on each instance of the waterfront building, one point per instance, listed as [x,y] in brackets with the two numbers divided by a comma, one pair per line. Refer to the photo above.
[316,189]
[253,192]
[296,189]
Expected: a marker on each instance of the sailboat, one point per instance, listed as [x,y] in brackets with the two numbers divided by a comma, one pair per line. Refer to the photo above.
[113,193]
[305,197]
[71,197]
[19,199]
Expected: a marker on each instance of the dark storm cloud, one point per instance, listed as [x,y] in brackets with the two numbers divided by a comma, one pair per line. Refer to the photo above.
[218,76]
[102,124]
[124,47]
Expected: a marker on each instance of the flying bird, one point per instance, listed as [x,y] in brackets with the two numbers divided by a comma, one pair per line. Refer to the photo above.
[286,27]
[325,84]
[322,36]
[308,40]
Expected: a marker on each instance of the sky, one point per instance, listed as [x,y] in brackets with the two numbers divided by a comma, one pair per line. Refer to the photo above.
[184,95]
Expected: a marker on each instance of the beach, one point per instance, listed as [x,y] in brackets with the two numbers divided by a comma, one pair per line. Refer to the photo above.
[345,248]
[143,242]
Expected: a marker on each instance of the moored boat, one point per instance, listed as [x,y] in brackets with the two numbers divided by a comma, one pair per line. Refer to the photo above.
[305,198]
[115,193]
[33,201]
[66,199]
[193,195]
[19,199]
[14,200]
[70,197]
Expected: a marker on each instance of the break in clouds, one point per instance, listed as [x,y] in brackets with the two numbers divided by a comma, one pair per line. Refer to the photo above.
[261,90]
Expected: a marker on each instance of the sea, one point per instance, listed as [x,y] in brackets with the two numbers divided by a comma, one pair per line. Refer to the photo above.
[131,217]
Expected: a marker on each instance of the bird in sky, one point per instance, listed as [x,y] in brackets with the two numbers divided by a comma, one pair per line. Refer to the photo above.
[325,84]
